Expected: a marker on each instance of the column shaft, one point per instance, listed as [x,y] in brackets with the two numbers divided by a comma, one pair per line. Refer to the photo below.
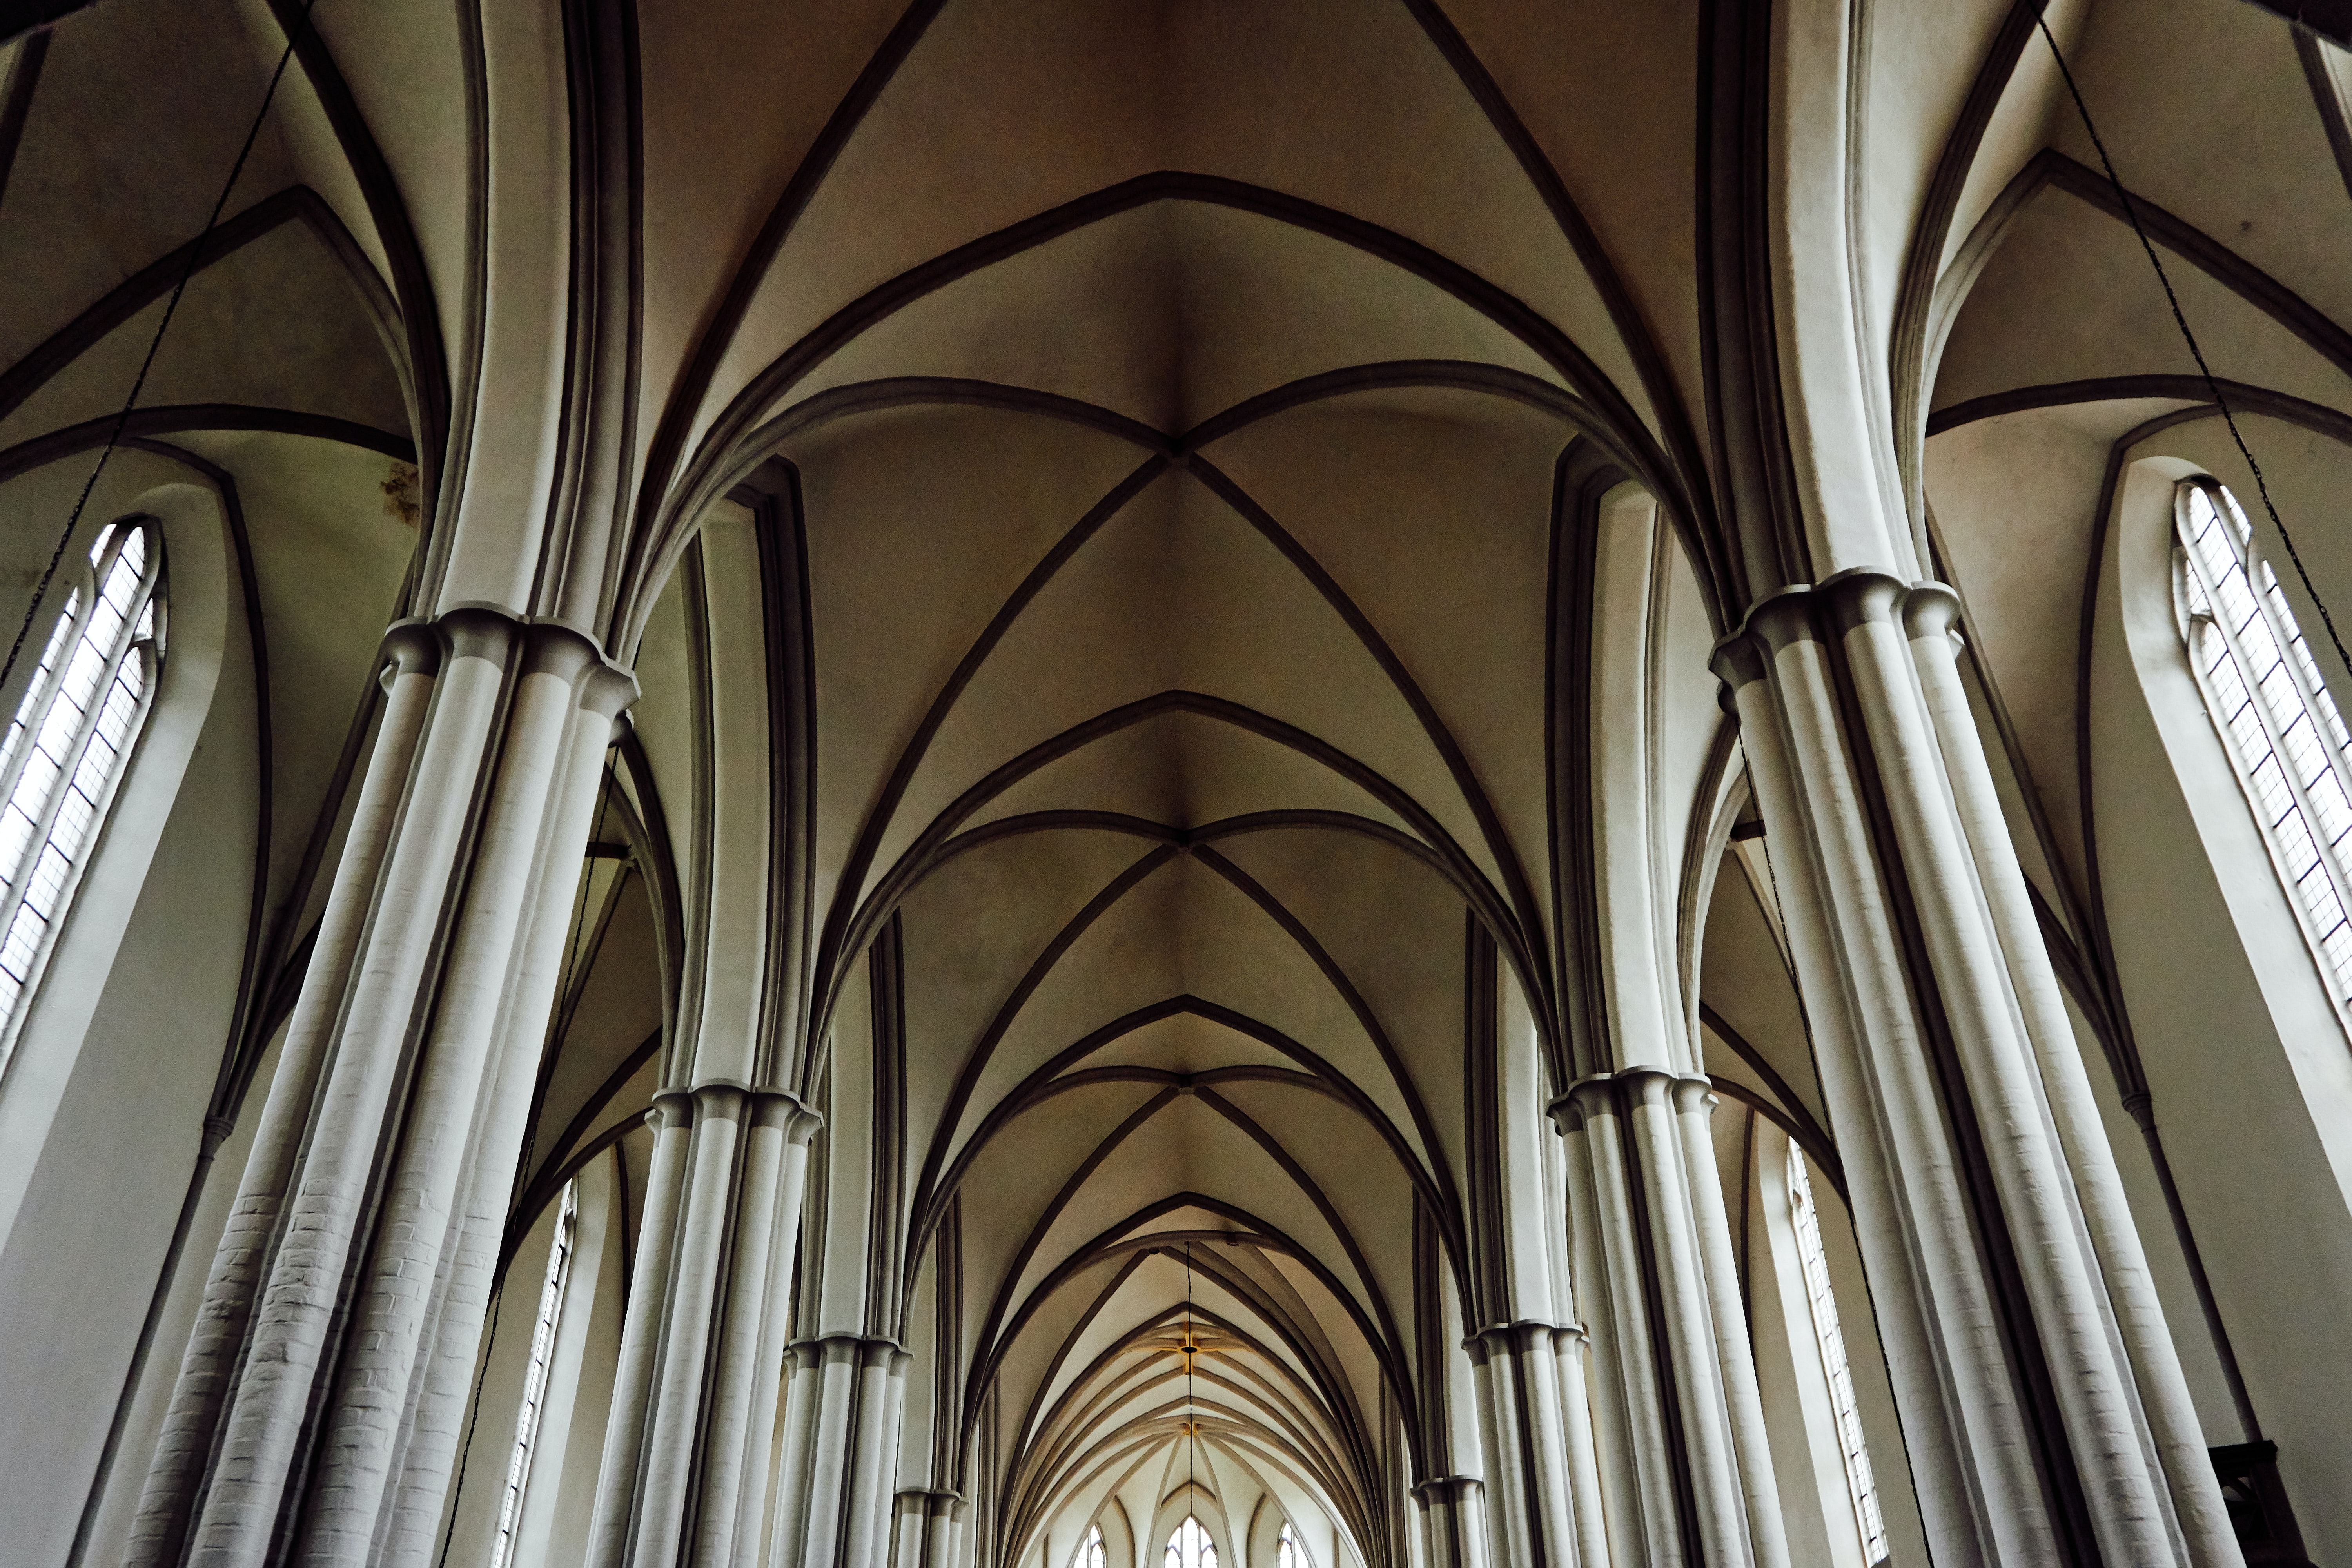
[1687,1329]
[672,1118]
[1568,1347]
[685,1465]
[1529,1447]
[421,1210]
[1452,1535]
[795,1456]
[453,1337]
[1735,1355]
[1972,1461]
[686,1338]
[2094,1390]
[841,1454]
[300,1303]
[206,1372]
[348,1253]
[1636,1467]
[775,1164]
[2180,1436]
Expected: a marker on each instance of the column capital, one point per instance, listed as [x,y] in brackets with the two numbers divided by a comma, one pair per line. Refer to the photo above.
[1613,1092]
[217,1130]
[864,1350]
[1573,1106]
[1517,1336]
[1860,595]
[931,1502]
[410,648]
[782,1108]
[1440,1490]
[478,629]
[1694,1091]
[1801,611]
[1932,609]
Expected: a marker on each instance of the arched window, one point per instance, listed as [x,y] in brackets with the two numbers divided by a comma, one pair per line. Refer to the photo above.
[1861,1488]
[1091,1551]
[62,755]
[2280,724]
[534,1377]
[1287,1552]
[1191,1547]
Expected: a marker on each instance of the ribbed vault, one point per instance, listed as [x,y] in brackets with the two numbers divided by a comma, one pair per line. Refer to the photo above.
[1175,501]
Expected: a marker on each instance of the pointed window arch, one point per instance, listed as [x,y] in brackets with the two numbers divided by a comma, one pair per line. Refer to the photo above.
[1288,1551]
[62,755]
[1862,1488]
[1189,1546]
[1091,1552]
[2279,726]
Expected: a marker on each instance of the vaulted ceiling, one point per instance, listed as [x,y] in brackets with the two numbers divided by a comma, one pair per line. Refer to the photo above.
[1178,403]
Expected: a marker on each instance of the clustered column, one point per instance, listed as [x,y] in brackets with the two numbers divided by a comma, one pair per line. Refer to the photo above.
[2023,1336]
[1538,1432]
[397,1114]
[1453,1528]
[687,1444]
[930,1529]
[842,1409]
[1652,1253]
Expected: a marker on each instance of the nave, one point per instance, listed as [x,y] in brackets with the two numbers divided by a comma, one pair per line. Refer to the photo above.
[1169,783]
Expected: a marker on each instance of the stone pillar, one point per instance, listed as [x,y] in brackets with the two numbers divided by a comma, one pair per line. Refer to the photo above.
[1743,1398]
[929,1530]
[702,1355]
[1453,1532]
[1637,1465]
[356,1251]
[1676,1338]
[208,1369]
[1931,615]
[1538,1437]
[2020,1397]
[840,1459]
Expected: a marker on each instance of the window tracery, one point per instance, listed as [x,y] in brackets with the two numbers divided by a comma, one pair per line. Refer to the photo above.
[1091,1552]
[1862,1488]
[534,1377]
[62,757]
[2279,724]
[1288,1552]
[1189,1546]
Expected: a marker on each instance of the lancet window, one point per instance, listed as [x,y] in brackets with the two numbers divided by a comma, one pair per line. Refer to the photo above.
[62,755]
[1861,1488]
[1189,1546]
[2281,727]
[534,1377]
[1287,1552]
[1091,1552]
